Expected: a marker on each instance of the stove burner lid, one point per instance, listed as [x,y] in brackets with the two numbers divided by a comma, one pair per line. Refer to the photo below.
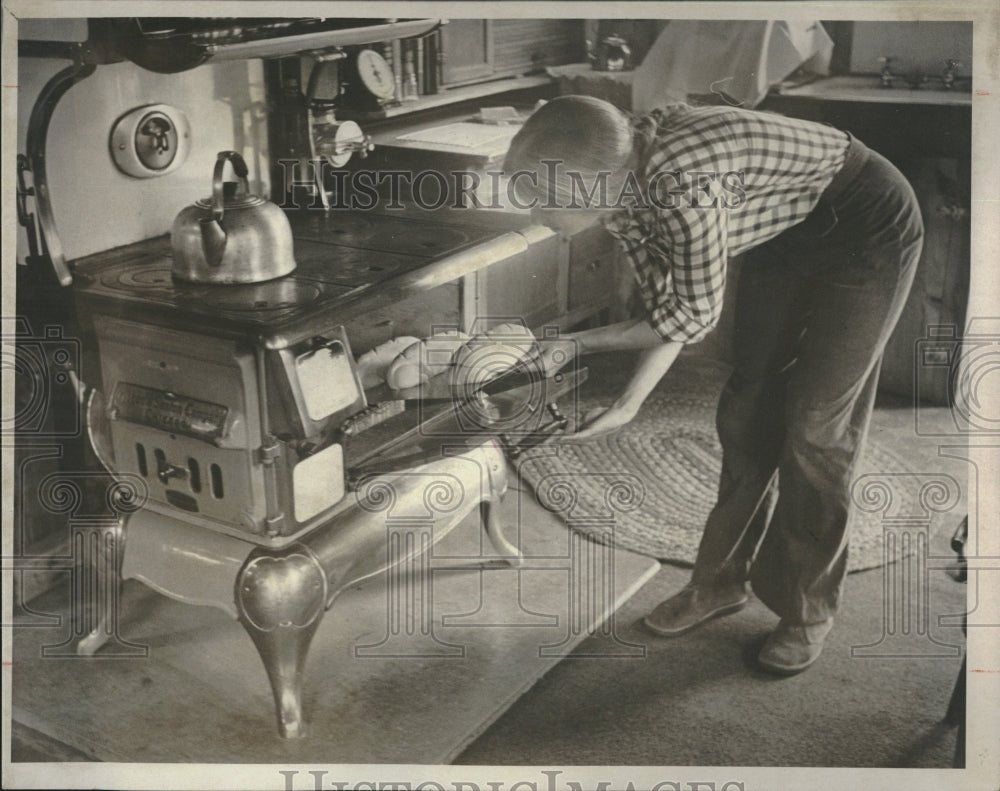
[155,277]
[385,233]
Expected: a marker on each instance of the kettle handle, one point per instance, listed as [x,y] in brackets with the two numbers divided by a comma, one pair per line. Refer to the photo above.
[241,171]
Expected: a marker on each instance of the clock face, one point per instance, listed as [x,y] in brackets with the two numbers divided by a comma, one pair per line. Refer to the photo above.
[376,75]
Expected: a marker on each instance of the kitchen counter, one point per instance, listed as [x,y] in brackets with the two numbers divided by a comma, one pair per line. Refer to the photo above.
[868,88]
[901,123]
[927,134]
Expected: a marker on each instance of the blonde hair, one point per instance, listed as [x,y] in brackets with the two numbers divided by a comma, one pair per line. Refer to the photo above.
[584,135]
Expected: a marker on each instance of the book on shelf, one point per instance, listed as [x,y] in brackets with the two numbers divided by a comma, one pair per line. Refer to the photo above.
[418,64]
[411,89]
[432,73]
[397,67]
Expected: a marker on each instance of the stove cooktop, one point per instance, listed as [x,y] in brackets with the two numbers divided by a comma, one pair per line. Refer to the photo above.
[337,254]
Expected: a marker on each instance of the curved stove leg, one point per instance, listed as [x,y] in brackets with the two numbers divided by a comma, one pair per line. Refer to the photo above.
[493,526]
[106,548]
[281,600]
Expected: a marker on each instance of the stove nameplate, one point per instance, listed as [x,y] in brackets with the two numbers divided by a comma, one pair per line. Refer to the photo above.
[169,412]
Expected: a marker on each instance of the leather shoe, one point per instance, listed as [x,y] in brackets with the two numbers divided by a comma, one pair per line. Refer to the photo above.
[791,648]
[693,606]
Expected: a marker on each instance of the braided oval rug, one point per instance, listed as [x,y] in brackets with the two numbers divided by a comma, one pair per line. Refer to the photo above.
[649,487]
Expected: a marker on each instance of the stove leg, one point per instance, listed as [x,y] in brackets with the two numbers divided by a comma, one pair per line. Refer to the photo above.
[493,527]
[281,600]
[283,651]
[106,567]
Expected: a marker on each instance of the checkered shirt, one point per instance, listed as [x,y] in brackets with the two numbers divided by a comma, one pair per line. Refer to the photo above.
[679,254]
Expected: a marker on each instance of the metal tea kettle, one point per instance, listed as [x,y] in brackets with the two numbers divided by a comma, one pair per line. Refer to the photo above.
[232,237]
[613,54]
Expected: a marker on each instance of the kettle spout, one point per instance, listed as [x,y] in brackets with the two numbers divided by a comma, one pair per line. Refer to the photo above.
[213,241]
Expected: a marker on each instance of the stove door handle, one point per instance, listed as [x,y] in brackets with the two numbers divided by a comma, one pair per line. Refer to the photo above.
[539,436]
[165,470]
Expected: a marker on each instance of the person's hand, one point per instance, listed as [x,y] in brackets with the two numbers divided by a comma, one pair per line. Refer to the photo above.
[557,353]
[601,421]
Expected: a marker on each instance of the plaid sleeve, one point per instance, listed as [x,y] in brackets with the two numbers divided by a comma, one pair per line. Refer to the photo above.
[680,267]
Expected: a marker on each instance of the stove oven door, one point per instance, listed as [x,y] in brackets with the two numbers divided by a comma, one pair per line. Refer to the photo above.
[183,413]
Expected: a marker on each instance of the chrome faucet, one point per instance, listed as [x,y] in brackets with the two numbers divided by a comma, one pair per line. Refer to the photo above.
[948,75]
[887,76]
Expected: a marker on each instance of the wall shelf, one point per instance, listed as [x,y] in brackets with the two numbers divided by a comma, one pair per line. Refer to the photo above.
[448,97]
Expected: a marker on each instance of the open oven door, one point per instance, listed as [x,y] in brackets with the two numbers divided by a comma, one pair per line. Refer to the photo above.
[517,408]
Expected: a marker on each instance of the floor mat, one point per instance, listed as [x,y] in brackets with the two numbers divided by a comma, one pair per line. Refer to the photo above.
[649,487]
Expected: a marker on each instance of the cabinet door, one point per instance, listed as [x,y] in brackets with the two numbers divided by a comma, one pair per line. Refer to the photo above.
[941,286]
[592,270]
[467,47]
[417,316]
[524,288]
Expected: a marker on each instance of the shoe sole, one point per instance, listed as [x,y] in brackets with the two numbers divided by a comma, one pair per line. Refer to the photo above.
[727,609]
[785,670]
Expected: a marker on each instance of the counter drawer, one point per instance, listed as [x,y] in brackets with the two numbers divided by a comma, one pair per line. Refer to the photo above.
[417,316]
[593,262]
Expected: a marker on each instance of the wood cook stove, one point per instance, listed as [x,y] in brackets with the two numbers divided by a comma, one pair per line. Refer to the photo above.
[238,414]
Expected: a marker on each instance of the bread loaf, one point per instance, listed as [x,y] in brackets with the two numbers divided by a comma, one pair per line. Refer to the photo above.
[374,365]
[425,359]
[490,354]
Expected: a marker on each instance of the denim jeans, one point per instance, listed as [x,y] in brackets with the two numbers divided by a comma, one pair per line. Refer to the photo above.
[815,307]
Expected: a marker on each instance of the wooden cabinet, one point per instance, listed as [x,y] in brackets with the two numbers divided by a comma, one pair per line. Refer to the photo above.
[478,49]
[931,145]
[940,290]
[559,281]
[467,51]
[593,258]
[523,289]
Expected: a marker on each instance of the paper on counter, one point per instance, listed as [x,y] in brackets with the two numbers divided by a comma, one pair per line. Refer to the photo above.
[465,135]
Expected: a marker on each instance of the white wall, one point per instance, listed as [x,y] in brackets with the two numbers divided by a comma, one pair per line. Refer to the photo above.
[918,46]
[97,207]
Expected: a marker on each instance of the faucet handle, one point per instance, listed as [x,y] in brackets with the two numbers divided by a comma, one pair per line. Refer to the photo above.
[948,77]
[887,76]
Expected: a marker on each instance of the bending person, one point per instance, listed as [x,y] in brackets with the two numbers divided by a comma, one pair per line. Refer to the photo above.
[832,234]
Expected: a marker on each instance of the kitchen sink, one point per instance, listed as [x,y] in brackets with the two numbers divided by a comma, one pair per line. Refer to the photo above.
[868,88]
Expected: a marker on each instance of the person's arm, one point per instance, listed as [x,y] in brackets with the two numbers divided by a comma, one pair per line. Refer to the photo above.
[628,335]
[682,285]
[623,336]
[632,334]
[654,362]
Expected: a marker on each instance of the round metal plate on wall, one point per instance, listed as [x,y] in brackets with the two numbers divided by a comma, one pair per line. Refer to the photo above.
[150,141]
